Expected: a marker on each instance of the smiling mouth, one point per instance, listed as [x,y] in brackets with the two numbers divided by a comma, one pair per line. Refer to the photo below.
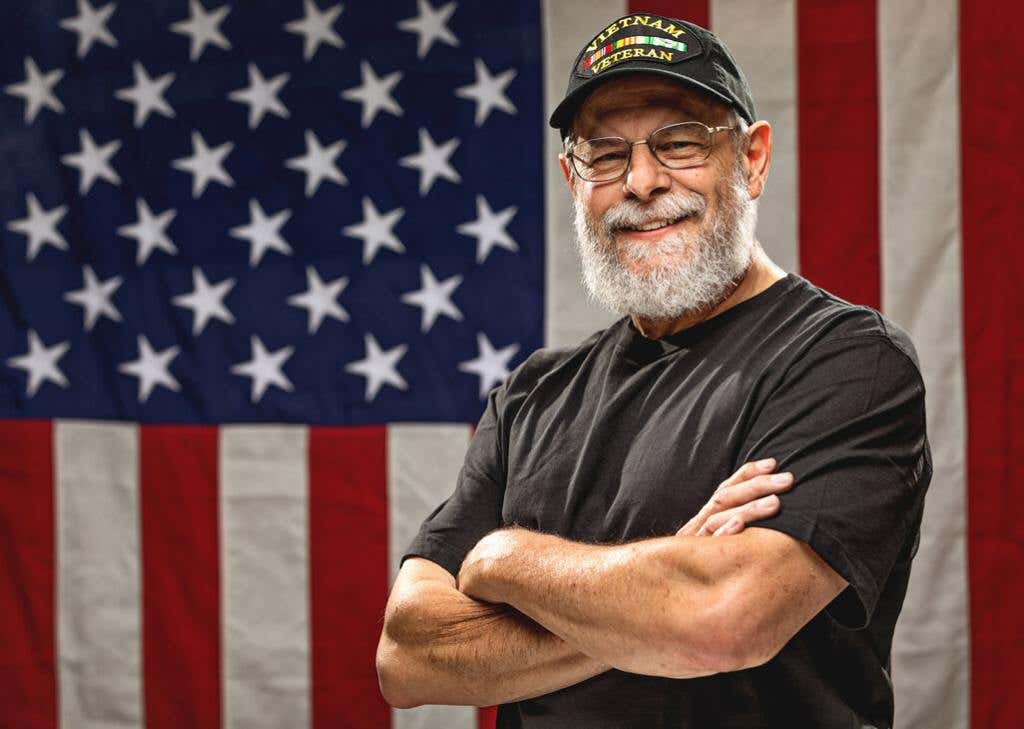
[654,225]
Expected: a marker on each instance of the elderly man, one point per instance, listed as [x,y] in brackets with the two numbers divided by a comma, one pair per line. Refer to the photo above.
[556,580]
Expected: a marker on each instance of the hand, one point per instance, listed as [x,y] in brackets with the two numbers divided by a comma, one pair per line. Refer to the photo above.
[477,573]
[744,497]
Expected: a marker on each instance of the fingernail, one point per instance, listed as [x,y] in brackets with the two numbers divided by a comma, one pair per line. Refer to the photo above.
[771,500]
[781,478]
[766,463]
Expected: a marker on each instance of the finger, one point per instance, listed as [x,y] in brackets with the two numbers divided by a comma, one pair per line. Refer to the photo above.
[714,505]
[729,497]
[733,526]
[734,496]
[690,528]
[749,470]
[743,493]
[755,488]
[760,509]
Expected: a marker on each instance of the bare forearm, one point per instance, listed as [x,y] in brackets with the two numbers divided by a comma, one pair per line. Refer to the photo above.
[629,605]
[680,606]
[442,647]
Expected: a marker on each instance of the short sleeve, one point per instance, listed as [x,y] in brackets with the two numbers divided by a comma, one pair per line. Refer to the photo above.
[474,508]
[848,420]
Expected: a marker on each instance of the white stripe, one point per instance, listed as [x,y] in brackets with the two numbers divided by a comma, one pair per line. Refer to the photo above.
[920,220]
[435,717]
[424,460]
[762,38]
[98,594]
[423,466]
[569,316]
[264,576]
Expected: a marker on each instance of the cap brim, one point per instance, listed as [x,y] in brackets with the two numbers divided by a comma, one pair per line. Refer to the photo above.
[562,116]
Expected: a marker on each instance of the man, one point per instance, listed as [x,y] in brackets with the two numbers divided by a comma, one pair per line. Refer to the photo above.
[555,580]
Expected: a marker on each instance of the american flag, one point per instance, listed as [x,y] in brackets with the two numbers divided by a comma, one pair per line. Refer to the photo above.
[262,260]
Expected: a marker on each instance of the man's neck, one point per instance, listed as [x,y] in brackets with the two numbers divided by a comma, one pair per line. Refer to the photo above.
[761,274]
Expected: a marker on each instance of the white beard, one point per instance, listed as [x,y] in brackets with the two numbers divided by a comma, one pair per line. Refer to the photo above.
[712,260]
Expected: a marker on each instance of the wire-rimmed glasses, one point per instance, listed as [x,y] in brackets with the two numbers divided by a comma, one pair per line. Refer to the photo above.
[677,146]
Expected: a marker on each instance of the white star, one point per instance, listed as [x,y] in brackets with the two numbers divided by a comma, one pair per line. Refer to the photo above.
[150,231]
[315,28]
[491,366]
[318,163]
[430,25]
[488,91]
[374,93]
[201,28]
[261,96]
[40,226]
[147,94]
[489,228]
[94,297]
[432,161]
[206,301]
[151,368]
[37,90]
[40,363]
[91,25]
[264,368]
[205,164]
[434,298]
[263,232]
[93,161]
[376,230]
[320,299]
[379,367]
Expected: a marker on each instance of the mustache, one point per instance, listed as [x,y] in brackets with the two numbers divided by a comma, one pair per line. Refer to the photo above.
[631,213]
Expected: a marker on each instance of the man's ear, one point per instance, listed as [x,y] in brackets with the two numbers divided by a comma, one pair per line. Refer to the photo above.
[567,172]
[758,157]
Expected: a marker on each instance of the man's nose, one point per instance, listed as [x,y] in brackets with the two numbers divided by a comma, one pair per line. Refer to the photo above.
[646,175]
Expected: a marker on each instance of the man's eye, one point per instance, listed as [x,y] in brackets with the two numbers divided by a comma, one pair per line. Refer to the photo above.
[607,158]
[677,145]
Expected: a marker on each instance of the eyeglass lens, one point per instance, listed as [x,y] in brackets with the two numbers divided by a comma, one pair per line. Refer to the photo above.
[676,146]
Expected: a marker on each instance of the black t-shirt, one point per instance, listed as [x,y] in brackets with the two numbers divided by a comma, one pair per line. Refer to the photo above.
[624,438]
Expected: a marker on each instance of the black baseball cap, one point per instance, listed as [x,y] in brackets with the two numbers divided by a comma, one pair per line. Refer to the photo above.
[654,44]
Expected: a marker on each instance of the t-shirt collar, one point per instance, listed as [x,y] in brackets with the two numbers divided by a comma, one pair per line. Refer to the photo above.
[639,349]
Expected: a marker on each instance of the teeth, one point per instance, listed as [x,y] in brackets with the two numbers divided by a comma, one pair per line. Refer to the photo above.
[654,225]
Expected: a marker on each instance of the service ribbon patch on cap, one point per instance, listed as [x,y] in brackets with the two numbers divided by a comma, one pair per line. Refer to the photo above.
[632,41]
[637,38]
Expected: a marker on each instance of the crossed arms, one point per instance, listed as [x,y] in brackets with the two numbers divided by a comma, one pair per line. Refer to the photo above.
[531,613]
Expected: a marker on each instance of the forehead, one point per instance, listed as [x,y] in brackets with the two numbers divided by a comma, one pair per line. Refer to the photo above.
[636,93]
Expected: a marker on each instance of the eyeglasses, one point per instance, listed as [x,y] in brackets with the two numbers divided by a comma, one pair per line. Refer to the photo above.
[676,146]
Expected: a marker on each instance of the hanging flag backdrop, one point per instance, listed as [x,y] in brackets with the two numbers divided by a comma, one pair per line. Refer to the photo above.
[262,261]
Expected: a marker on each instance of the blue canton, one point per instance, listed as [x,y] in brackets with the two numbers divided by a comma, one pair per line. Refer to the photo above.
[311,211]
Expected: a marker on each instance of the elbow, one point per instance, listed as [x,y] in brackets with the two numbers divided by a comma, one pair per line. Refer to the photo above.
[736,654]
[394,685]
[394,662]
[722,641]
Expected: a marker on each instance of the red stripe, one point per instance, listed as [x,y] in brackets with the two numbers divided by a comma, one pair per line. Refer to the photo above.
[696,11]
[992,101]
[486,717]
[837,74]
[348,553]
[28,686]
[180,576]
